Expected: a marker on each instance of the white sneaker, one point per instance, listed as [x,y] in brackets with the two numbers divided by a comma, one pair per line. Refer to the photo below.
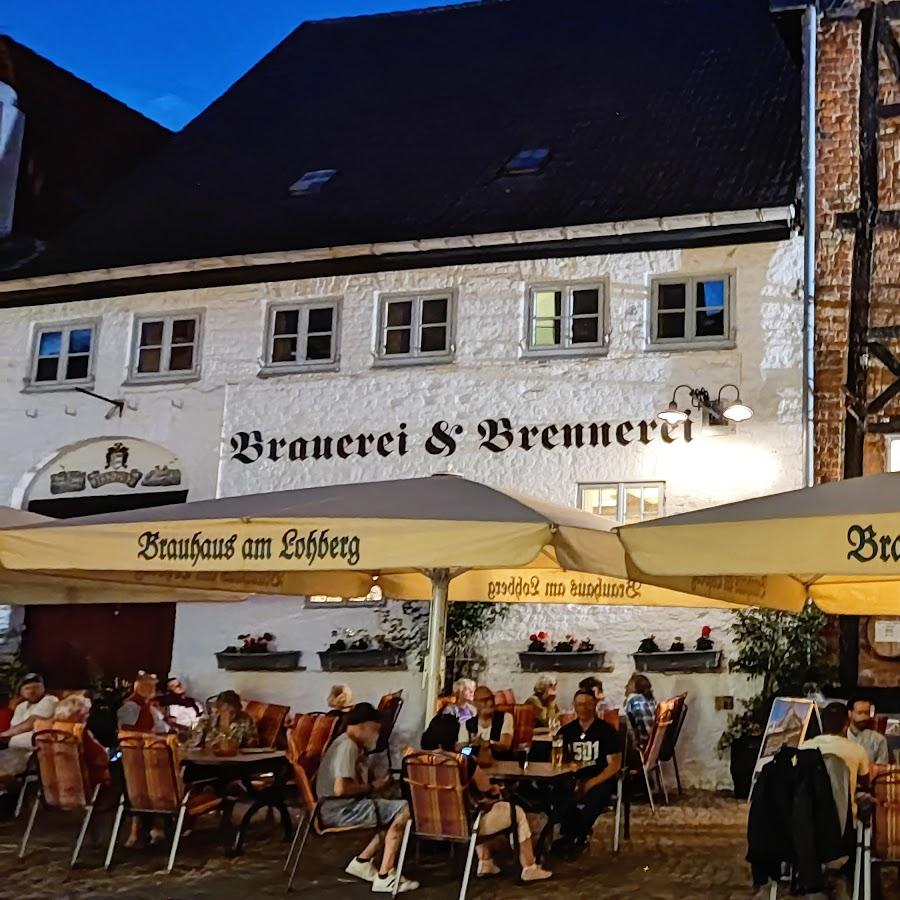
[535,873]
[384,884]
[367,870]
[487,867]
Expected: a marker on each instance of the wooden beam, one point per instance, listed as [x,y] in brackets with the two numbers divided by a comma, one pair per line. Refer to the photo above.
[890,425]
[888,41]
[885,357]
[888,110]
[884,333]
[885,397]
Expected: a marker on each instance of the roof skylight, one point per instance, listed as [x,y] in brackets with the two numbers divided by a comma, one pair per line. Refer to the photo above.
[311,182]
[529,161]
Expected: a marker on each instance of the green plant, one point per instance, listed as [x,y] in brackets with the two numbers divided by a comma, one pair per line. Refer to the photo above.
[12,671]
[787,651]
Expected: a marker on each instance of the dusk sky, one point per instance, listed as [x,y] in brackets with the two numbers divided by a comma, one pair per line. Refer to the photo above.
[168,58]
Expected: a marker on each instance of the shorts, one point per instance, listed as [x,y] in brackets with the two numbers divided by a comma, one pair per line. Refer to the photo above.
[362,813]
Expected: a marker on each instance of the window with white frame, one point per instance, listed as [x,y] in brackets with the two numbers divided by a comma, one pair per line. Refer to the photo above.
[166,346]
[892,453]
[691,310]
[63,354]
[303,335]
[375,597]
[416,327]
[566,318]
[623,502]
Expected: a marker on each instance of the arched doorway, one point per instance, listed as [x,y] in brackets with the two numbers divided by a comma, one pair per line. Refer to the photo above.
[76,645]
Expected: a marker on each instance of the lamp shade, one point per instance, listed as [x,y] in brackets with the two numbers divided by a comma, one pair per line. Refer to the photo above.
[737,412]
[672,415]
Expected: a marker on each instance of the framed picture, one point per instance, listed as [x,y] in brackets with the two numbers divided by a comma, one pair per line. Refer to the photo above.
[791,721]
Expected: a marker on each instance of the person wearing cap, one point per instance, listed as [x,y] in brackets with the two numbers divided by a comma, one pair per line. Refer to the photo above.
[35,703]
[347,799]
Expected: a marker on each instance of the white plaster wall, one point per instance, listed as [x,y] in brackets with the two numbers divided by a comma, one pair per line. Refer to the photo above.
[487,379]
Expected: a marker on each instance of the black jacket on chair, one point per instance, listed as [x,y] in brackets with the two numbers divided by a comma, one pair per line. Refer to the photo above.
[793,819]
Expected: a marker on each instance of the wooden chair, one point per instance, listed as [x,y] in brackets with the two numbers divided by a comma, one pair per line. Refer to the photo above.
[505,700]
[667,753]
[153,784]
[566,717]
[63,781]
[878,838]
[437,788]
[389,709]
[650,755]
[441,702]
[523,725]
[269,718]
[308,739]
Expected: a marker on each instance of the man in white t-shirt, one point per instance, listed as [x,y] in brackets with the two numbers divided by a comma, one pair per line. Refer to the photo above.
[835,741]
[489,726]
[35,703]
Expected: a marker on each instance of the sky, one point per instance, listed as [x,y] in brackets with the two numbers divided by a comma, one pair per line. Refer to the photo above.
[169,59]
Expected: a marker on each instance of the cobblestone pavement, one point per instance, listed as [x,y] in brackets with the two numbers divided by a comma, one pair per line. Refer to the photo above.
[692,850]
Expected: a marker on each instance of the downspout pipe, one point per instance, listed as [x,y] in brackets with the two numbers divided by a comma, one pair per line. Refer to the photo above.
[810,40]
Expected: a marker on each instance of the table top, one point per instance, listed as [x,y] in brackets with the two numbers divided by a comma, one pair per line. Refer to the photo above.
[242,757]
[510,770]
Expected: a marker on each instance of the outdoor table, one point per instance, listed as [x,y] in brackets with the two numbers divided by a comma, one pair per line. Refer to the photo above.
[244,767]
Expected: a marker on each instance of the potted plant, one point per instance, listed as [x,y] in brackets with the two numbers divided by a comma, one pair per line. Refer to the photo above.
[357,649]
[107,695]
[703,657]
[256,654]
[570,654]
[787,652]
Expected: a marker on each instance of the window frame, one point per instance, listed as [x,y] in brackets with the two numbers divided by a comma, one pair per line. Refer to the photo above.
[416,355]
[690,340]
[621,487]
[168,319]
[890,440]
[334,602]
[65,329]
[303,307]
[567,317]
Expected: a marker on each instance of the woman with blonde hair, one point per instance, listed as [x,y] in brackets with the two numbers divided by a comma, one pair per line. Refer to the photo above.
[340,698]
[75,709]
[462,707]
[544,701]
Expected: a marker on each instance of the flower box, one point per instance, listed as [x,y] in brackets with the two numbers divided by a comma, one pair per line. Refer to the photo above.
[678,661]
[344,660]
[554,661]
[270,661]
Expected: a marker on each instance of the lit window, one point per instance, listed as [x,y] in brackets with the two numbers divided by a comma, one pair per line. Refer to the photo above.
[566,318]
[63,354]
[691,310]
[527,162]
[416,327]
[892,453]
[311,182]
[375,597]
[166,347]
[302,336]
[623,502]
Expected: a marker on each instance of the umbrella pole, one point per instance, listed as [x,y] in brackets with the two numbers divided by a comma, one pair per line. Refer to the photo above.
[437,628]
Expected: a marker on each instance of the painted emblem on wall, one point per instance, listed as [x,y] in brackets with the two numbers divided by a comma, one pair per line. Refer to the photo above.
[115,471]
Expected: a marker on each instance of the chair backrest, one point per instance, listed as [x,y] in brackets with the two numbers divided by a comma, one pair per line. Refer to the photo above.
[505,700]
[441,702]
[886,824]
[566,717]
[436,785]
[150,763]
[60,755]
[523,724]
[389,710]
[658,734]
[610,716]
[308,739]
[839,776]
[269,718]
[679,713]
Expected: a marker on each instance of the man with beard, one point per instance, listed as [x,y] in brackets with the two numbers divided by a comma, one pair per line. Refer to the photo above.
[862,731]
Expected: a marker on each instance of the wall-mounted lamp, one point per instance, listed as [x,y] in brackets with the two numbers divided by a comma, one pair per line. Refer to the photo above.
[735,411]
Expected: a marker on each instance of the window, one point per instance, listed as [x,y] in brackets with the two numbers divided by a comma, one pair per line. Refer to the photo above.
[166,347]
[302,336]
[527,162]
[311,182]
[374,598]
[566,318]
[624,502]
[892,453]
[63,354]
[416,327]
[691,310]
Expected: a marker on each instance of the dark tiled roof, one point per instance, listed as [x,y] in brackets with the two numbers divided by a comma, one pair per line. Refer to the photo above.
[649,107]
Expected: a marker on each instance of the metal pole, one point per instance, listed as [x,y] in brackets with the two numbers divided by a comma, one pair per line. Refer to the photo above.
[810,35]
[437,628]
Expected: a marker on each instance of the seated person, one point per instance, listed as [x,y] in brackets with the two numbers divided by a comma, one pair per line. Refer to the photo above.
[35,703]
[348,799]
[441,735]
[862,731]
[594,745]
[226,723]
[544,701]
[181,711]
[462,707]
[340,699]
[835,722]
[76,709]
[640,707]
[140,711]
[595,686]
[488,726]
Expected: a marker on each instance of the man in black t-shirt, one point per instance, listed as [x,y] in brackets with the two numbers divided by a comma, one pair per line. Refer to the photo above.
[594,745]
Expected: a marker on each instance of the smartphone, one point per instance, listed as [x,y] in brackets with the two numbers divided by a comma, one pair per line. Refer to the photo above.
[467,751]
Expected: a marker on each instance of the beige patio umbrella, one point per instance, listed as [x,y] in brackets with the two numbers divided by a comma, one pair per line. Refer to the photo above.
[28,588]
[839,543]
[435,538]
